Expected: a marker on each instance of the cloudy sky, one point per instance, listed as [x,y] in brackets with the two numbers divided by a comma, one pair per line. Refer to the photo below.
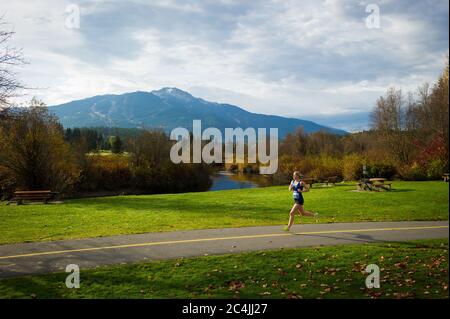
[311,59]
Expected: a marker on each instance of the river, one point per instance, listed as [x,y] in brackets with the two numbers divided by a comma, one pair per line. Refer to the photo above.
[225,180]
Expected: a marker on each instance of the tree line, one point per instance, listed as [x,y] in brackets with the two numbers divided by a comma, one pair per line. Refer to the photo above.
[408,139]
[37,153]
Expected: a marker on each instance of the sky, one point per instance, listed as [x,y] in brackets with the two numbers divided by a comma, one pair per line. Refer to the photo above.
[313,59]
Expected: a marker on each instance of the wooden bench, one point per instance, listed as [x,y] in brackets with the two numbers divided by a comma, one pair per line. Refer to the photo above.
[38,196]
[308,181]
[331,180]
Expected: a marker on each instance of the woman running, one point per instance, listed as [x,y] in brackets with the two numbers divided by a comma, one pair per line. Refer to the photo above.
[298,187]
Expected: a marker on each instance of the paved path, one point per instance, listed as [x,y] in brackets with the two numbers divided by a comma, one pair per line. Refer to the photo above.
[34,258]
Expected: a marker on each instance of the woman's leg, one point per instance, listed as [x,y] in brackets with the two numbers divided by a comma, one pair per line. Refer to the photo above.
[292,215]
[304,212]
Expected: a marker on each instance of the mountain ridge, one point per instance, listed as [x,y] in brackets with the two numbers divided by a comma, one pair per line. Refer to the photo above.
[168,108]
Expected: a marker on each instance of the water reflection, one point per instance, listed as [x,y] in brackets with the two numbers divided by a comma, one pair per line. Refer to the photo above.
[225,180]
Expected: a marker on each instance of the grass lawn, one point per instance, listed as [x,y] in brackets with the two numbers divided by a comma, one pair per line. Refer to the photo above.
[417,269]
[234,208]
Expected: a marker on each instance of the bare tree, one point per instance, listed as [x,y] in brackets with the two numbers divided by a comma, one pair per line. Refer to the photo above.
[432,112]
[150,148]
[436,112]
[391,119]
[10,57]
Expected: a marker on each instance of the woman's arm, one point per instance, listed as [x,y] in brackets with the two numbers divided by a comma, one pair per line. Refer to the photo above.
[305,188]
[290,185]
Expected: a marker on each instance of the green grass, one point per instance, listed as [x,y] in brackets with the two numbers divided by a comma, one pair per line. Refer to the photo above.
[416,269]
[106,216]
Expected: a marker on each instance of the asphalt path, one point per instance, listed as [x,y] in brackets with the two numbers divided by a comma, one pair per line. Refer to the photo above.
[46,257]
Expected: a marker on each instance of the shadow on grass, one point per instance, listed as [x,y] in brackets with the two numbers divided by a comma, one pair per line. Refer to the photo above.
[19,286]
[186,204]
[104,283]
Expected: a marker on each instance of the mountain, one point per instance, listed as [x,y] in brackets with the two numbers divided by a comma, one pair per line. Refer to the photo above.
[169,108]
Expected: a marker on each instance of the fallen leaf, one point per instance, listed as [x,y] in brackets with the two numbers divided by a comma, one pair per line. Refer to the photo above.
[401,295]
[375,294]
[281,272]
[401,265]
[235,285]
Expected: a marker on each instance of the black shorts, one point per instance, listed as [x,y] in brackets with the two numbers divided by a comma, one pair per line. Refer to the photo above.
[299,201]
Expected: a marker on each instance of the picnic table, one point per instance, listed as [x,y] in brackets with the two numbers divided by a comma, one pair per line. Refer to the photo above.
[374,184]
[380,183]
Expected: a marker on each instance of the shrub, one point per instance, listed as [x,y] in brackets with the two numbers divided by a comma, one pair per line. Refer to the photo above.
[382,170]
[352,166]
[322,167]
[317,167]
[171,178]
[281,178]
[110,172]
[286,165]
[435,169]
[7,183]
[33,151]
[413,173]
[150,180]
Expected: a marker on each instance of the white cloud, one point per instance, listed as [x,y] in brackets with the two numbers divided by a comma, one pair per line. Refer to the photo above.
[279,57]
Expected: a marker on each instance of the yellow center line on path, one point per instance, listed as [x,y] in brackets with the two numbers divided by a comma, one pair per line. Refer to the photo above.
[184,241]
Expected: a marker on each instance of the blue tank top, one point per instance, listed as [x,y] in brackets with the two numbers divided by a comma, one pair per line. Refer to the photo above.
[296,187]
